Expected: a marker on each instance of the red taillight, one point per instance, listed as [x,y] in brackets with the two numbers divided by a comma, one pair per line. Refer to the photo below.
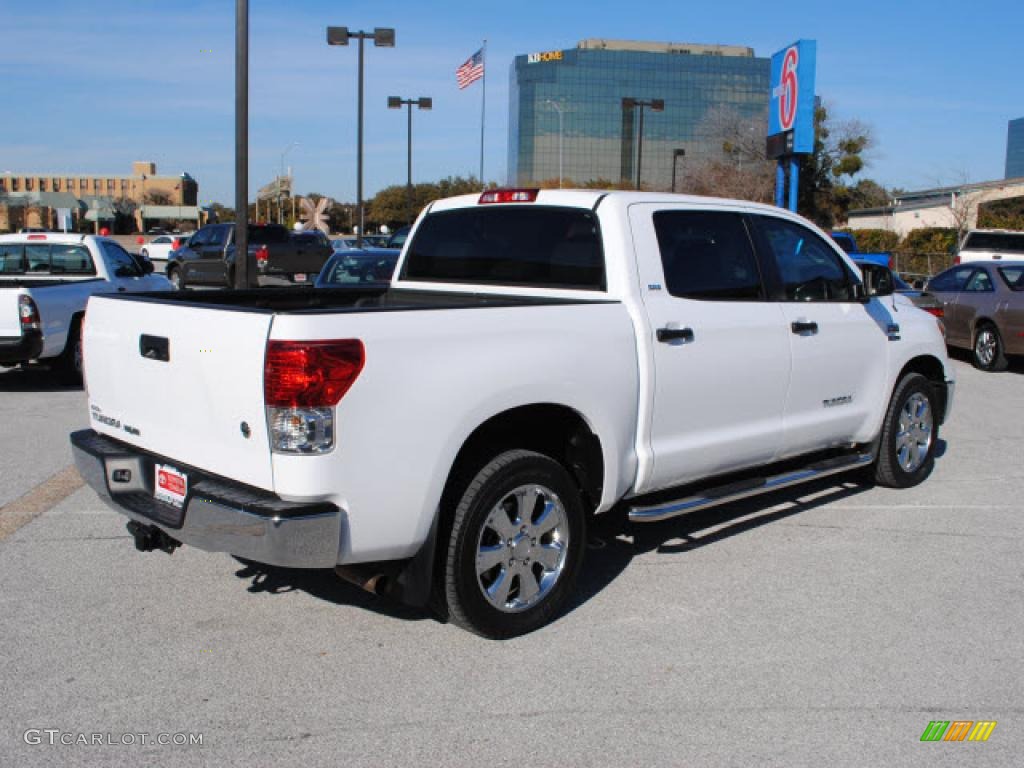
[28,314]
[175,244]
[262,256]
[37,237]
[310,374]
[937,311]
[509,196]
[890,262]
[956,260]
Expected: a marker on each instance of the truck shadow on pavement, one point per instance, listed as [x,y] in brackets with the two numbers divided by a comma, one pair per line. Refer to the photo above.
[615,541]
[323,585]
[612,544]
[33,380]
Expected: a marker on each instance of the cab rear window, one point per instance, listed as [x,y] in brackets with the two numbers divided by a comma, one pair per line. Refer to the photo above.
[534,246]
[1007,242]
[45,258]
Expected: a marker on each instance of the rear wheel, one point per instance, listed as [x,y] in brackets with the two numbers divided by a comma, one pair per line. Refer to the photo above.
[906,450]
[516,546]
[988,348]
[69,364]
[174,275]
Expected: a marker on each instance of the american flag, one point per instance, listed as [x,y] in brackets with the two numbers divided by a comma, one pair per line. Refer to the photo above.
[472,70]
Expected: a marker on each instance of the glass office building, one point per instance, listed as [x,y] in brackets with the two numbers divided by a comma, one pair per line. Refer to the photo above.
[593,90]
[1015,149]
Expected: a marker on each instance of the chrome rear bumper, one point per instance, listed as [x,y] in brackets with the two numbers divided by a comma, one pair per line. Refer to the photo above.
[219,515]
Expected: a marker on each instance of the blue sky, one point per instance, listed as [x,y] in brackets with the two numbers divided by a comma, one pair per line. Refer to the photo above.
[90,87]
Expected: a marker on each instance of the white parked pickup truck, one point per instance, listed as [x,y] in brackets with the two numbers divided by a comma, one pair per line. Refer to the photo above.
[45,281]
[539,358]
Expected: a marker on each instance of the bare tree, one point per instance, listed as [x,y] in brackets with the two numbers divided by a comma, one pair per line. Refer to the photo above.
[739,169]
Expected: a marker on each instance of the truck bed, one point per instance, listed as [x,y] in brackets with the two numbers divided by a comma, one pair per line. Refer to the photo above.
[340,300]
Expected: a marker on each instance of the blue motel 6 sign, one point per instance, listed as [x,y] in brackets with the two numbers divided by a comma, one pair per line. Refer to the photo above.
[791,100]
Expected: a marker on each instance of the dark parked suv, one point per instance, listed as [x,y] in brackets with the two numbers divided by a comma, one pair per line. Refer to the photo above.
[208,258]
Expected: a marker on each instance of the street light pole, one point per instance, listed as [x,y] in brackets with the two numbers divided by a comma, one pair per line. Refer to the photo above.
[558,108]
[242,271]
[382,38]
[396,102]
[656,105]
[676,154]
[280,205]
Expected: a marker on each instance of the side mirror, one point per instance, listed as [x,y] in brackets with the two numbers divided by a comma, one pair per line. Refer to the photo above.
[147,267]
[877,280]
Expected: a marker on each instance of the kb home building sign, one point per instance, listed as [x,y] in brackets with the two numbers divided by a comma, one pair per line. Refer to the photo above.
[536,58]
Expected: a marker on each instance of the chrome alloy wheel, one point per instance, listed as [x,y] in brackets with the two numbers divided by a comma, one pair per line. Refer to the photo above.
[985,346]
[522,548]
[914,438]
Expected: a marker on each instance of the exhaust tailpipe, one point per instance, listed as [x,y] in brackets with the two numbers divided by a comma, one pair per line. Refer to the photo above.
[368,578]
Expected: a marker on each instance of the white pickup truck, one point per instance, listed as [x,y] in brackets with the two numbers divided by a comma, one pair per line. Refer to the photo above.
[539,359]
[45,281]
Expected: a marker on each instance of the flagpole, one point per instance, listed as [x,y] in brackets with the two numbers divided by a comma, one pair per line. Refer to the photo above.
[483,110]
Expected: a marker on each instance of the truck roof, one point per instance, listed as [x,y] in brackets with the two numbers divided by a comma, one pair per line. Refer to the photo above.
[62,238]
[588,198]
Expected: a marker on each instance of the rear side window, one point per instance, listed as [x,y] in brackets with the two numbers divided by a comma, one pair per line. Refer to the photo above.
[707,255]
[1013,277]
[544,247]
[809,268]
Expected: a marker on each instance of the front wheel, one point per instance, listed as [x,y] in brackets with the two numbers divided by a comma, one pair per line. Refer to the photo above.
[516,546]
[906,450]
[988,349]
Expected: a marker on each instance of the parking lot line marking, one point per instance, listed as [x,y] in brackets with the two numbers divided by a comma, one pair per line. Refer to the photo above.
[43,497]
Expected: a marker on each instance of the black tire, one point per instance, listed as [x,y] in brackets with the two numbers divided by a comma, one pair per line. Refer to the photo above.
[489,495]
[891,467]
[176,278]
[987,350]
[68,366]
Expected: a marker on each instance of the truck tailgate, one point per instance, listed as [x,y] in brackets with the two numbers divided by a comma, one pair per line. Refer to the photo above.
[184,382]
[10,322]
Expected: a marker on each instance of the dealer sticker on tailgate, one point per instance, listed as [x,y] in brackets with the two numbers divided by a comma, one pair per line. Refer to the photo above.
[171,485]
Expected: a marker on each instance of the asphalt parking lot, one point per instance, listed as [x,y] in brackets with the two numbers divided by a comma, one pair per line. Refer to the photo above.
[823,625]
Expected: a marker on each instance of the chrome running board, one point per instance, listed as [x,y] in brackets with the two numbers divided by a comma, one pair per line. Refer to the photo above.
[723,494]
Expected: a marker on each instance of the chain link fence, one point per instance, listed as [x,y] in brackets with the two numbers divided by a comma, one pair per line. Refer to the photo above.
[918,265]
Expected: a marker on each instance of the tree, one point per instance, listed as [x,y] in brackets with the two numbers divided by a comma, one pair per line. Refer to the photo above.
[221,213]
[124,215]
[739,169]
[389,206]
[839,148]
[157,197]
[1002,214]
